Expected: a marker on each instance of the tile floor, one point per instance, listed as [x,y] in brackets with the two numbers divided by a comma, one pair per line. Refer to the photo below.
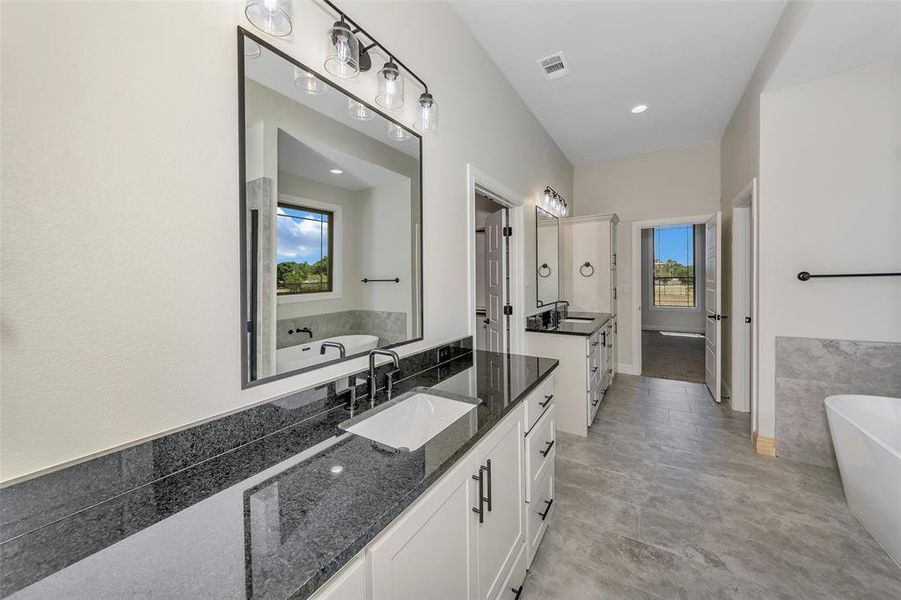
[672,356]
[666,499]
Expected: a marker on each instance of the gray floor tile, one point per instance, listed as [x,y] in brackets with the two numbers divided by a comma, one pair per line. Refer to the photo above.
[660,502]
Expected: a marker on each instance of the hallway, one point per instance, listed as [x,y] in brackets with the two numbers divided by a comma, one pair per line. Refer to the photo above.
[666,499]
[670,355]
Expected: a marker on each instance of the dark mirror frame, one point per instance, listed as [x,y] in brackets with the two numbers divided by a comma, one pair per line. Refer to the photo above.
[538,211]
[248,302]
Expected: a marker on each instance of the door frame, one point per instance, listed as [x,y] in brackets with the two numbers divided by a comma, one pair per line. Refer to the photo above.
[515,203]
[744,298]
[637,299]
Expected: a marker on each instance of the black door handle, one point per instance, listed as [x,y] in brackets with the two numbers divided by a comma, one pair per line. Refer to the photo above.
[550,445]
[516,591]
[547,400]
[547,510]
[487,321]
[711,317]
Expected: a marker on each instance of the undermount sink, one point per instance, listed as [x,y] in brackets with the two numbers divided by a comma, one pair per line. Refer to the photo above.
[576,320]
[410,422]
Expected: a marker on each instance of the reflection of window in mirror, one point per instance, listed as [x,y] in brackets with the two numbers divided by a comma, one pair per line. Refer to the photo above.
[304,250]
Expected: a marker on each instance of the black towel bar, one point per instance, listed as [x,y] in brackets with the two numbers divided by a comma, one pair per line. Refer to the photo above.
[367,280]
[804,275]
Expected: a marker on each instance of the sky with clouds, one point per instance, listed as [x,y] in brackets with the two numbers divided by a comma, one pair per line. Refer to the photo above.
[300,240]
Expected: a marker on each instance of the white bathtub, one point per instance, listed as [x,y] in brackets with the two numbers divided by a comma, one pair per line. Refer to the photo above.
[307,355]
[866,433]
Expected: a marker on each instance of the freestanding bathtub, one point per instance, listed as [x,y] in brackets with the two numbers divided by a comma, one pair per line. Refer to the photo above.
[305,355]
[866,433]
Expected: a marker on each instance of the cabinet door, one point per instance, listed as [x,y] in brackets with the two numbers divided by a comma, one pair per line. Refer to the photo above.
[430,551]
[501,534]
[348,584]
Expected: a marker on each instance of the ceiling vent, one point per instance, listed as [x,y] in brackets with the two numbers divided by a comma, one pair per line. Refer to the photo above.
[553,66]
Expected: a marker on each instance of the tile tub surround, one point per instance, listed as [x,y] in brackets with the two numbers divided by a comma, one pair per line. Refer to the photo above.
[35,502]
[585,328]
[809,370]
[226,507]
[666,499]
[390,327]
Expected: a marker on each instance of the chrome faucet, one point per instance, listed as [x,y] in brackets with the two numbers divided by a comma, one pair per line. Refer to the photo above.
[372,383]
[338,345]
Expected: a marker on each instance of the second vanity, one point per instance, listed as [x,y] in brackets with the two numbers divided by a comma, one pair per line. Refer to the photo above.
[585,345]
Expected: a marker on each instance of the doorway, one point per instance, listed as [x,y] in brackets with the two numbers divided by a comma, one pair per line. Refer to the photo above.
[744,302]
[676,313]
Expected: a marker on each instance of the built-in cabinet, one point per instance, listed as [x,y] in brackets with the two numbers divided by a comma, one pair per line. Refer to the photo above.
[589,263]
[587,368]
[473,534]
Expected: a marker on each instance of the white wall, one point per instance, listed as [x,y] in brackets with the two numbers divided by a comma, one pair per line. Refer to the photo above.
[830,201]
[656,318]
[120,287]
[669,183]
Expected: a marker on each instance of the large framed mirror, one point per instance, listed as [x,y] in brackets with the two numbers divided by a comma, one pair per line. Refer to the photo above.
[547,247]
[331,214]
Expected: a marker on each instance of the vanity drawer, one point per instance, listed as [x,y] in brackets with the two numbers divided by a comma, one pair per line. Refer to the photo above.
[595,396]
[540,450]
[595,341]
[512,588]
[540,511]
[538,401]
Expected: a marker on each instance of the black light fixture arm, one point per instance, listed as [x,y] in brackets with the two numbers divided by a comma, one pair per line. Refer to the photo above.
[374,43]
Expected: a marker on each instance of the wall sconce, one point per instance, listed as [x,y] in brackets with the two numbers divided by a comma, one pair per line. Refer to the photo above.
[270,16]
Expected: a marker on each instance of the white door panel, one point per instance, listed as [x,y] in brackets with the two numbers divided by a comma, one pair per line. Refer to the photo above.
[713,304]
[497,276]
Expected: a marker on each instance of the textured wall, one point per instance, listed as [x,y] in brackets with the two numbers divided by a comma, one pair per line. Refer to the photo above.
[808,371]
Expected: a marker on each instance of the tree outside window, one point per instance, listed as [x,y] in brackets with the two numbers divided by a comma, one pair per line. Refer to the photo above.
[674,266]
[304,250]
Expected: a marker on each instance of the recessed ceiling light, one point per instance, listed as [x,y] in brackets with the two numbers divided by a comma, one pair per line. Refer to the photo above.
[639,109]
[337,171]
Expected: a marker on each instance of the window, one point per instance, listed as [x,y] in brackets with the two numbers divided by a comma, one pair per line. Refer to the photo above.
[304,250]
[674,266]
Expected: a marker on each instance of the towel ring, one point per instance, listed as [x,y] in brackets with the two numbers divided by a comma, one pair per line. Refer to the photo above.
[544,266]
[583,267]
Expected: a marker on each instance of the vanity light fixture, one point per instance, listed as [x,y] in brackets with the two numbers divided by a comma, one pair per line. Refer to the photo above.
[554,202]
[342,51]
[346,57]
[637,110]
[336,171]
[270,16]
[358,110]
[398,133]
[309,82]
[391,86]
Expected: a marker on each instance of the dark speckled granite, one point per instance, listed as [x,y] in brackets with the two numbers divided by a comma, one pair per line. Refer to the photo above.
[271,518]
[584,328]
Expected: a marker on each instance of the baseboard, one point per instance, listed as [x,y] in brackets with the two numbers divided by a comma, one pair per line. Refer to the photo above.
[727,392]
[675,328]
[626,369]
[764,445]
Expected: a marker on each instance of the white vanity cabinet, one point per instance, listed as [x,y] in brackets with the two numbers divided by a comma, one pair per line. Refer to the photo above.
[589,263]
[347,584]
[587,368]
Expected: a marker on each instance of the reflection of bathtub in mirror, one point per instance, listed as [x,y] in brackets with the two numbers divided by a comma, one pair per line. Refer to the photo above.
[305,355]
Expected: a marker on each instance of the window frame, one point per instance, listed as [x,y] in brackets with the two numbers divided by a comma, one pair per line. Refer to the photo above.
[335,245]
[652,255]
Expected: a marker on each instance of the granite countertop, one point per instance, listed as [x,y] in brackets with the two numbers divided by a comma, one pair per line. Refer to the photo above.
[583,328]
[271,519]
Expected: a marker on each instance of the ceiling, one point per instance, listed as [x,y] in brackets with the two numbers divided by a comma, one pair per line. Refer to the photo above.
[839,36]
[688,61]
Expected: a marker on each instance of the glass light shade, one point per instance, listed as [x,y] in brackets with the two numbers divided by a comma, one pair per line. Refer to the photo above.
[358,110]
[427,113]
[251,49]
[398,133]
[391,86]
[342,51]
[309,82]
[270,16]
[565,209]
[546,199]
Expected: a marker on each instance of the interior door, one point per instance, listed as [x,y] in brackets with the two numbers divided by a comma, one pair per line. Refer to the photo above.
[496,280]
[713,304]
